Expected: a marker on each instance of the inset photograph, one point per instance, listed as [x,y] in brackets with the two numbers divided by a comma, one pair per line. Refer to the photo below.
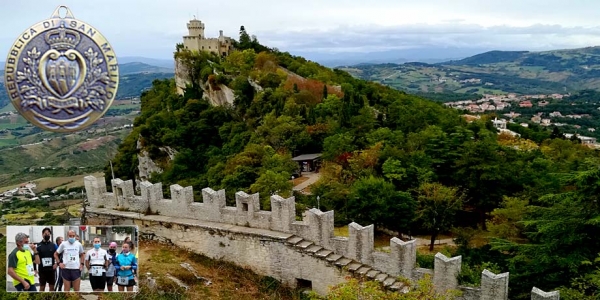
[71,258]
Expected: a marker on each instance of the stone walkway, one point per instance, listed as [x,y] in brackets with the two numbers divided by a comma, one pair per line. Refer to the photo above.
[312,178]
[426,242]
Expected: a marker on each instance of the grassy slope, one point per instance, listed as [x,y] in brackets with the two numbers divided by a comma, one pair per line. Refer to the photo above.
[228,281]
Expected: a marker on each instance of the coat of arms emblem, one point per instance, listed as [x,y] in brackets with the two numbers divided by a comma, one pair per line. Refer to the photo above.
[61,74]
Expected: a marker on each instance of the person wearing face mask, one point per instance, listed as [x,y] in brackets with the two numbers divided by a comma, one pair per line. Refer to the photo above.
[110,272]
[47,265]
[96,261]
[20,264]
[59,282]
[72,262]
[125,263]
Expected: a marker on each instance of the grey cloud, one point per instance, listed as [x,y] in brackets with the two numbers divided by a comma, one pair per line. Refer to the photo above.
[152,27]
[364,39]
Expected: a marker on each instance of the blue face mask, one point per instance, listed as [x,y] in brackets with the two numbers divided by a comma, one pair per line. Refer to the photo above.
[26,247]
[97,246]
[71,240]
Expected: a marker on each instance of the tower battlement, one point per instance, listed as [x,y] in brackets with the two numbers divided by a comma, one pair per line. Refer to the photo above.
[196,40]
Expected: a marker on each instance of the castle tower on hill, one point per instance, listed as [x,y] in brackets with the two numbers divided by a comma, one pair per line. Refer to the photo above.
[196,40]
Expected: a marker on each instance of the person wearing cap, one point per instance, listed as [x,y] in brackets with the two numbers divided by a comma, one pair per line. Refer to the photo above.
[47,265]
[111,271]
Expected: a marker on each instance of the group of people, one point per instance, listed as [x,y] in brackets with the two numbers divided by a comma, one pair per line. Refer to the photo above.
[63,262]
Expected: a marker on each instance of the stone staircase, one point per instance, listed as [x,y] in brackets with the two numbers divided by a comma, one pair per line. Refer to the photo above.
[357,269]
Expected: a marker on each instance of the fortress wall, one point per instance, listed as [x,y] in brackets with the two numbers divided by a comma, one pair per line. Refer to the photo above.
[259,250]
[339,244]
[247,236]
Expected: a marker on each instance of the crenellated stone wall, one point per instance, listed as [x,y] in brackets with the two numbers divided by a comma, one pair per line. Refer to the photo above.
[281,246]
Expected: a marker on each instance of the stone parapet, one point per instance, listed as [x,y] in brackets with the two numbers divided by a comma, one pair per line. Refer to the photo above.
[315,233]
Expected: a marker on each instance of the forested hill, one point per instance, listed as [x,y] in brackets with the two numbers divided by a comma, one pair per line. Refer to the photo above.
[391,159]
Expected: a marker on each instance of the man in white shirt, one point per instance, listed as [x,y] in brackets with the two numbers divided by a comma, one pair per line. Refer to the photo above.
[72,261]
[96,261]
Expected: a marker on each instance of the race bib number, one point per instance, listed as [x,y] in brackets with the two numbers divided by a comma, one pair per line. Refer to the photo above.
[122,280]
[96,271]
[47,262]
[30,271]
[72,257]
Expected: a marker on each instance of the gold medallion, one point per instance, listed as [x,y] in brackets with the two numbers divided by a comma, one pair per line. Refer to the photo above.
[61,74]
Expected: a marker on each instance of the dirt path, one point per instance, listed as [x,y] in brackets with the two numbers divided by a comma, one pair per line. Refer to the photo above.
[312,178]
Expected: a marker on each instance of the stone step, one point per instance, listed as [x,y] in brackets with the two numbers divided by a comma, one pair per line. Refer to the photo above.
[333,257]
[304,244]
[323,253]
[371,274]
[363,270]
[389,281]
[294,240]
[342,262]
[353,267]
[313,249]
[396,286]
[381,277]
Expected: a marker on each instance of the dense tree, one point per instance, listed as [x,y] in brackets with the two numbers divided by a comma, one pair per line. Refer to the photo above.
[373,200]
[437,207]
[562,231]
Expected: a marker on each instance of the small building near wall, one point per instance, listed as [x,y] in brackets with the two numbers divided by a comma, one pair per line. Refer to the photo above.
[308,162]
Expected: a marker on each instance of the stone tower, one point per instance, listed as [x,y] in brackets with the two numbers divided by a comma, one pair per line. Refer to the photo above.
[196,28]
[197,41]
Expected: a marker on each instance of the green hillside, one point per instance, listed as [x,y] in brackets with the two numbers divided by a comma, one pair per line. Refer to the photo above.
[132,85]
[138,67]
[25,149]
[3,95]
[524,206]
[494,72]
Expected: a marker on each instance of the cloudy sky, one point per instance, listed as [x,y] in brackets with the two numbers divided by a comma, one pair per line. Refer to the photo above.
[150,28]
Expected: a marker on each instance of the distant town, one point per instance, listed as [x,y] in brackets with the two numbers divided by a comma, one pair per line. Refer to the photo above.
[494,103]
[27,191]
[501,102]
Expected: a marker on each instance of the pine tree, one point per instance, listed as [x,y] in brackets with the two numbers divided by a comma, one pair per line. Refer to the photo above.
[556,134]
[245,41]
